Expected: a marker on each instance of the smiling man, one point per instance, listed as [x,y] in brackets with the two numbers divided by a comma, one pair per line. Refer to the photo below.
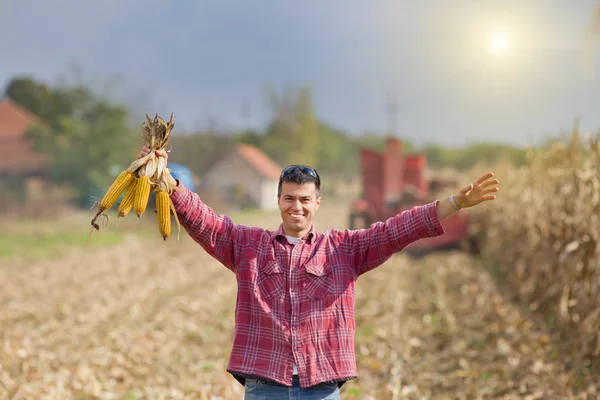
[298,198]
[294,319]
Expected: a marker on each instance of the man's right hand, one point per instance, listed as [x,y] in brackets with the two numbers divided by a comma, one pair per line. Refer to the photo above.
[146,150]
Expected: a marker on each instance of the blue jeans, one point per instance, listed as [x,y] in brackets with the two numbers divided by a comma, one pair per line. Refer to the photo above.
[261,390]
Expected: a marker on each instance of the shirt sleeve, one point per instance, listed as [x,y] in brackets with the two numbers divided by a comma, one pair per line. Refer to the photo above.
[217,234]
[369,248]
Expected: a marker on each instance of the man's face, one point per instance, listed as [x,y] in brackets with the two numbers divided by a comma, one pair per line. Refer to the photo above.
[298,204]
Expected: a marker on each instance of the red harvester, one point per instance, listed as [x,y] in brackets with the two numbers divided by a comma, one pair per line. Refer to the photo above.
[392,183]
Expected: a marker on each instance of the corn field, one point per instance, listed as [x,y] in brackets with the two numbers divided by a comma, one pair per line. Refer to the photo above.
[148,319]
[543,239]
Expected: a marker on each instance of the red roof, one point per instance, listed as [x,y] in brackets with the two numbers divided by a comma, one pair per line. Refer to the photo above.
[14,119]
[17,152]
[264,165]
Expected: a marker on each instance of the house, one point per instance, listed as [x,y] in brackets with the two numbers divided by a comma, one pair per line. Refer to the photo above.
[246,178]
[18,158]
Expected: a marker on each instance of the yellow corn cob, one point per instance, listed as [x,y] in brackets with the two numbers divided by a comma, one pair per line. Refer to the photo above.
[127,201]
[163,209]
[114,191]
[142,193]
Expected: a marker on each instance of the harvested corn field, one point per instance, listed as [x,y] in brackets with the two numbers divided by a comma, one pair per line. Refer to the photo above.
[147,319]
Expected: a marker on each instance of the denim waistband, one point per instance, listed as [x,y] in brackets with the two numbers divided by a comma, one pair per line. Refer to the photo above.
[295,381]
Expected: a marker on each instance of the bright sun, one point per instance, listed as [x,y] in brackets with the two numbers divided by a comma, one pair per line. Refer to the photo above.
[499,42]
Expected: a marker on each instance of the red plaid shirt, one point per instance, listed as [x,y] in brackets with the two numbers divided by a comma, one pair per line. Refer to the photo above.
[295,303]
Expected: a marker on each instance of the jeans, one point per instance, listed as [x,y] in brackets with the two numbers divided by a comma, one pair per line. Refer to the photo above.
[261,390]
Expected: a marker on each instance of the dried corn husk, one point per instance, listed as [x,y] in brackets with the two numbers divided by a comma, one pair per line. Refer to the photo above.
[149,172]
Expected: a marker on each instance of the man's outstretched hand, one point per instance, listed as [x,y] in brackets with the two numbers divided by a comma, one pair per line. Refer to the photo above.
[146,150]
[479,191]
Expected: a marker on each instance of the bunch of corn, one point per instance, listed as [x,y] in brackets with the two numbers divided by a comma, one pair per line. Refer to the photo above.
[145,174]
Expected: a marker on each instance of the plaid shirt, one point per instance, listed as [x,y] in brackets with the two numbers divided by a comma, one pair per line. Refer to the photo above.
[295,303]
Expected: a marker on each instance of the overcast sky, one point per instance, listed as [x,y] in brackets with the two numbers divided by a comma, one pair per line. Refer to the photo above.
[210,60]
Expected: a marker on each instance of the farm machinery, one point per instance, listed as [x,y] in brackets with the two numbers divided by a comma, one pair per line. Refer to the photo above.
[392,183]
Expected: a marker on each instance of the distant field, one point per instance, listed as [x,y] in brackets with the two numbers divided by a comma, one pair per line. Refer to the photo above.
[30,239]
[38,238]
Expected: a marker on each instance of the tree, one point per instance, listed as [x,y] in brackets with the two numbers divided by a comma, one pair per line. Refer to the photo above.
[251,137]
[48,104]
[292,135]
[337,153]
[306,130]
[86,138]
[279,140]
[199,151]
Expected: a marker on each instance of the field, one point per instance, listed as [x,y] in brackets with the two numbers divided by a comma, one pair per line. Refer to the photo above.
[133,317]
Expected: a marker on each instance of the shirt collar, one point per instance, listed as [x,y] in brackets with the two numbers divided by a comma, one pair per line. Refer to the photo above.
[308,238]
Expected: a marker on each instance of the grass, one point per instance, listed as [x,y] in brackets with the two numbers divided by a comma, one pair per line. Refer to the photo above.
[251,216]
[39,238]
[48,244]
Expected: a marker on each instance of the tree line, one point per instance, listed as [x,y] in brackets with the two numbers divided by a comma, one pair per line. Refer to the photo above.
[89,138]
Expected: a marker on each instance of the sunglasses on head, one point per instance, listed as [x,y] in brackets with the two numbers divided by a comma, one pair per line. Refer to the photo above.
[302,168]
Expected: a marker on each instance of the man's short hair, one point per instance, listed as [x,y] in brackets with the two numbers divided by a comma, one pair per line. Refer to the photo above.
[299,174]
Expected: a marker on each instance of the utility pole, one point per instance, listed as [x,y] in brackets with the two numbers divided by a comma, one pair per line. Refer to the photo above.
[392,161]
[245,114]
[392,115]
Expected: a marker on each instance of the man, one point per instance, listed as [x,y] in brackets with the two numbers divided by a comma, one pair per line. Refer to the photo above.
[294,320]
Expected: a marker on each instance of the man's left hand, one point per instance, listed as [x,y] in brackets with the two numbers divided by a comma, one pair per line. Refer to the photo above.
[478,191]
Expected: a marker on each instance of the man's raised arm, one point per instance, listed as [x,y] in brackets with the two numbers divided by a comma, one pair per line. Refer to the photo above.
[217,234]
[371,247]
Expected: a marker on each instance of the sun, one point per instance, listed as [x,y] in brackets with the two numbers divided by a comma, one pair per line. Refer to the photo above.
[499,42]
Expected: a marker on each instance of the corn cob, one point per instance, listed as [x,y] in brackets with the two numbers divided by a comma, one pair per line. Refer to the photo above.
[116,189]
[145,174]
[142,193]
[127,202]
[163,209]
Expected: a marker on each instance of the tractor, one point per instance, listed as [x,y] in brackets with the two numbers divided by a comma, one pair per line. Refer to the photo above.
[393,183]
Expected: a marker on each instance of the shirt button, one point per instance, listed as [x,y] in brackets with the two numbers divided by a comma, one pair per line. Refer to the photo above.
[293,290]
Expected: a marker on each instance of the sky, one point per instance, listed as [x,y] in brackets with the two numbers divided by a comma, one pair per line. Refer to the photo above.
[209,62]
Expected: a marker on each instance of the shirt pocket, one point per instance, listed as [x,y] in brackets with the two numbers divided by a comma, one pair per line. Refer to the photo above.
[319,280]
[271,280]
